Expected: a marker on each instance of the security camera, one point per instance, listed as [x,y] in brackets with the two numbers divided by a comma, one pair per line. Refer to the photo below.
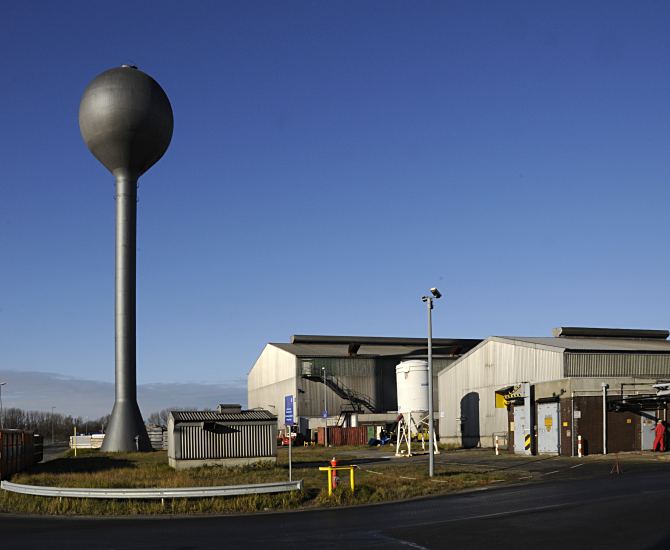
[436,293]
[424,298]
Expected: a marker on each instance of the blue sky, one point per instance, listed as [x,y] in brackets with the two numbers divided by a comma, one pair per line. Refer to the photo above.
[330,162]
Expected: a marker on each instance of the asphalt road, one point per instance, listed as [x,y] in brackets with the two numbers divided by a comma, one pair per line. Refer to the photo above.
[564,506]
[52,452]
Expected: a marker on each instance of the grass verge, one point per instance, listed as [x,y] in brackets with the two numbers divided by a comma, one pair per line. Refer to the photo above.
[376,481]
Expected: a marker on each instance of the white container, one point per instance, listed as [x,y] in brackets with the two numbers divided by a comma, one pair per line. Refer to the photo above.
[412,384]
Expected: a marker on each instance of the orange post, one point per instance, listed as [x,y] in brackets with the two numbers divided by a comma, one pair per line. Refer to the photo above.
[333,464]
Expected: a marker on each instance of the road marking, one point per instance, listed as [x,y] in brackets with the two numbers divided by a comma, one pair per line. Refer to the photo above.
[554,472]
[577,465]
[575,503]
[496,514]
[405,477]
[403,542]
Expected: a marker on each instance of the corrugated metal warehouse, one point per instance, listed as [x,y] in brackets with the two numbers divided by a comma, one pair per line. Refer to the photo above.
[354,374]
[226,437]
[539,394]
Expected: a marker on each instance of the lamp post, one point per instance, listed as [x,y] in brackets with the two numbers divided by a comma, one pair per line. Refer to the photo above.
[325,409]
[52,424]
[2,414]
[605,387]
[435,295]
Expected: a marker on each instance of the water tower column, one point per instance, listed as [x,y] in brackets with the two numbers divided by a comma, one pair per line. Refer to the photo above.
[126,430]
[125,304]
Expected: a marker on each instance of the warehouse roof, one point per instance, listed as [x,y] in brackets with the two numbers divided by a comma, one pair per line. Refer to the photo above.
[369,340]
[372,346]
[599,340]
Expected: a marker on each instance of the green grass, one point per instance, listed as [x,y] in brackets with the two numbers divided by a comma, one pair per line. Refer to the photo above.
[375,482]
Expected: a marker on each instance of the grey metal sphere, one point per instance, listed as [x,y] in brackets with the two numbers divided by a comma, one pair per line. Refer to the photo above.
[126,120]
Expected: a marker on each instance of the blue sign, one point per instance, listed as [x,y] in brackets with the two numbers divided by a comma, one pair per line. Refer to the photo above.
[324,414]
[288,410]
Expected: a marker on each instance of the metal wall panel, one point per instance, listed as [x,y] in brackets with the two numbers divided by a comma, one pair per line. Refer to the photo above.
[235,441]
[272,377]
[356,373]
[17,451]
[642,365]
[468,385]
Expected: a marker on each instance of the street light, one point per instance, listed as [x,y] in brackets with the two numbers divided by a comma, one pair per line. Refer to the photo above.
[2,414]
[436,295]
[325,409]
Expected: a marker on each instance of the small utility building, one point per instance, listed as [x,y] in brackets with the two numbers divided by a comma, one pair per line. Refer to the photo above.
[539,394]
[228,436]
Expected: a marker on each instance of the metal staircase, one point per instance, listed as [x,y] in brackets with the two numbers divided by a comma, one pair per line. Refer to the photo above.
[356,402]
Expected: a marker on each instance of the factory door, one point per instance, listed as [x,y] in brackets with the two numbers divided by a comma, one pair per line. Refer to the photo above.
[548,428]
[648,433]
[519,429]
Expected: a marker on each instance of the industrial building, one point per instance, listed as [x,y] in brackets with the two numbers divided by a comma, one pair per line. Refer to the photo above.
[351,378]
[539,394]
[228,436]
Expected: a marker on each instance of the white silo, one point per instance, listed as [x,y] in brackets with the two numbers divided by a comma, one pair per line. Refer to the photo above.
[412,387]
[412,383]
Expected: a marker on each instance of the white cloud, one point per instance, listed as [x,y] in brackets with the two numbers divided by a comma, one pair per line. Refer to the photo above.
[93,399]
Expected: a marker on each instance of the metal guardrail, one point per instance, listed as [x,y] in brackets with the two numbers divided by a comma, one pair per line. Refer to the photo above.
[178,492]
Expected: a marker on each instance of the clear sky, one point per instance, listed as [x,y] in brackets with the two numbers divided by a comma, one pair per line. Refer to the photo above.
[331,161]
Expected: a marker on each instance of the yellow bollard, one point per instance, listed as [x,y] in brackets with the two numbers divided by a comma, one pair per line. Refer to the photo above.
[330,470]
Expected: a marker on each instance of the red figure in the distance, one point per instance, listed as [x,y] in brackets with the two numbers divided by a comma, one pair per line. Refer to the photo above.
[660,436]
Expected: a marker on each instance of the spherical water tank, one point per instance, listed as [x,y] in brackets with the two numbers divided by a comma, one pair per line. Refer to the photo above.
[412,383]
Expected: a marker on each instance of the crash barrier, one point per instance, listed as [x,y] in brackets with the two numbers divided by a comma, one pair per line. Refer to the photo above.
[332,475]
[19,450]
[154,493]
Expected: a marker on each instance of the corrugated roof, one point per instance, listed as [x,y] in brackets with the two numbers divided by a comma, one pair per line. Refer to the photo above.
[254,415]
[600,332]
[454,347]
[595,344]
[374,340]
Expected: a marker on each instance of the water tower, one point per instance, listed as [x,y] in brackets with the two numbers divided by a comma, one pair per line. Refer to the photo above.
[126,121]
[413,418]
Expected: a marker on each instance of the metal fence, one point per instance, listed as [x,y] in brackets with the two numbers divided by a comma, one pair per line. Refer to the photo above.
[154,493]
